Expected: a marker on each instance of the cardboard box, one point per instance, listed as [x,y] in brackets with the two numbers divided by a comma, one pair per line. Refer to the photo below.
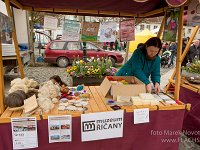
[114,90]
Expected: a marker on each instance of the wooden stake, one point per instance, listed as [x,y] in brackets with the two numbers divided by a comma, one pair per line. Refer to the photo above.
[1,80]
[7,2]
[183,55]
[179,52]
[161,28]
[127,50]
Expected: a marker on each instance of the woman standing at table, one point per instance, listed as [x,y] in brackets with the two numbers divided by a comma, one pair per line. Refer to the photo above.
[144,63]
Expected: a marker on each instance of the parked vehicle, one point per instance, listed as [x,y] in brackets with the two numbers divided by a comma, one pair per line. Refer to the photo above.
[63,53]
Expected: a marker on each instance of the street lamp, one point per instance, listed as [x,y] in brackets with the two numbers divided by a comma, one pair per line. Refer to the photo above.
[84,52]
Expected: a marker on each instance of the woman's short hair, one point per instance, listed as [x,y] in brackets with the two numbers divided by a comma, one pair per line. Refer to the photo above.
[154,41]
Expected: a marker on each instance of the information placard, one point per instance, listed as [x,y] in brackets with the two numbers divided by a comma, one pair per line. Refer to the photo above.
[24,133]
[127,30]
[103,125]
[141,115]
[71,30]
[60,128]
[108,32]
[50,22]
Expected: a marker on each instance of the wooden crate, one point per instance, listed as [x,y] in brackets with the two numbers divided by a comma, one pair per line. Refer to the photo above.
[97,103]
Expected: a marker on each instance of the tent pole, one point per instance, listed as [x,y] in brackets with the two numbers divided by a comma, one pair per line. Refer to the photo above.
[183,54]
[179,52]
[127,50]
[161,28]
[7,2]
[2,108]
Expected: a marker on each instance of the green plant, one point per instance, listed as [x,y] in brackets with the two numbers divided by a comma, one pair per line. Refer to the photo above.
[91,68]
[193,67]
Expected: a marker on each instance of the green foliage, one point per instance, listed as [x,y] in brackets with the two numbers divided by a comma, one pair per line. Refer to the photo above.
[193,67]
[92,68]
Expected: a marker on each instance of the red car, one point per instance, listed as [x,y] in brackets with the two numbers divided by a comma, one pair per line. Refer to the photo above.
[63,53]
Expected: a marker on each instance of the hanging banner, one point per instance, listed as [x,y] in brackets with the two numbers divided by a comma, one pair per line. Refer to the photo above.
[24,133]
[6,27]
[193,18]
[60,128]
[108,32]
[127,30]
[90,31]
[50,22]
[103,125]
[171,24]
[71,30]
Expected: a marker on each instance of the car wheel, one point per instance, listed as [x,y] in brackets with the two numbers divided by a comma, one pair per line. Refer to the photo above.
[113,61]
[62,62]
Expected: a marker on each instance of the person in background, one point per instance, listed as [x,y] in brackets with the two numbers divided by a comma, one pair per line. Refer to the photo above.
[172,48]
[104,46]
[140,45]
[194,51]
[144,63]
[184,43]
[125,44]
[111,45]
[116,45]
[165,47]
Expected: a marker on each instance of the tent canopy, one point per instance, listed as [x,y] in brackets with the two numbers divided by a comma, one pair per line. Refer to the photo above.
[120,8]
[141,37]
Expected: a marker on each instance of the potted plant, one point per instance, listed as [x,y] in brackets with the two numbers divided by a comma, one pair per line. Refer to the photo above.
[90,72]
[192,71]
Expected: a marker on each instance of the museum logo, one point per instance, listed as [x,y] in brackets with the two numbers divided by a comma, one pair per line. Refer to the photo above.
[88,126]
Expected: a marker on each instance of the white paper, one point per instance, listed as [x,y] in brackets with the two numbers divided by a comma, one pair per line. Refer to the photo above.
[108,32]
[50,22]
[164,97]
[170,101]
[71,30]
[24,133]
[141,115]
[103,125]
[60,128]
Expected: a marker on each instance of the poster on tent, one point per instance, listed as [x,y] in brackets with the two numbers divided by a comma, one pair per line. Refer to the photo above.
[60,128]
[171,24]
[90,31]
[24,133]
[127,30]
[6,26]
[193,18]
[108,32]
[50,22]
[71,30]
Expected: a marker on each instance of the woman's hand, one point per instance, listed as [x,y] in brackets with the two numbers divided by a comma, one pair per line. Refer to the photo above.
[157,88]
[148,88]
